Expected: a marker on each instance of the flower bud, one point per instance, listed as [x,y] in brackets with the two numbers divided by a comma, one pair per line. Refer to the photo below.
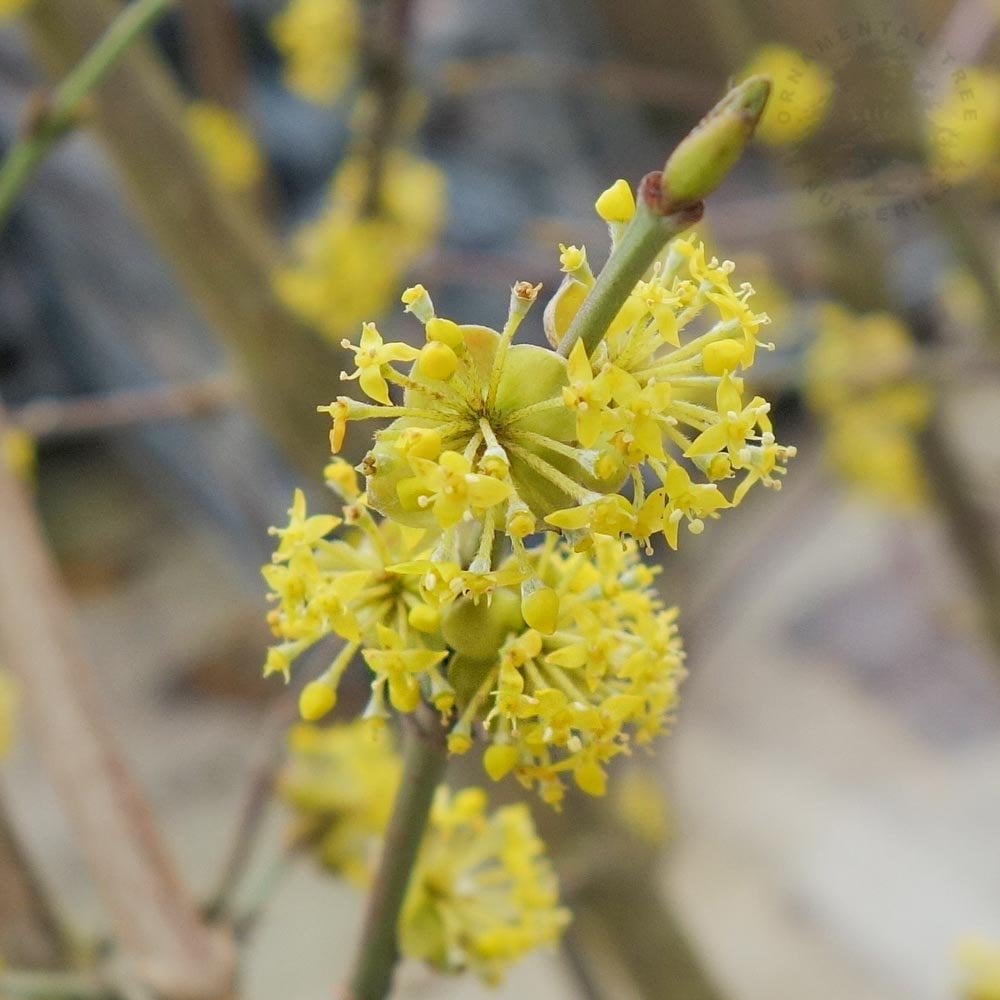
[444,331]
[437,361]
[706,155]
[316,700]
[478,629]
[617,203]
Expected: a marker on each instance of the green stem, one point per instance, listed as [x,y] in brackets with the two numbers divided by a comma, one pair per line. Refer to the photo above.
[647,234]
[59,112]
[378,953]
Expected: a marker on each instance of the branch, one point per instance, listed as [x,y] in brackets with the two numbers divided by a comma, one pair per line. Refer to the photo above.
[61,418]
[424,766]
[58,115]
[156,920]
[31,933]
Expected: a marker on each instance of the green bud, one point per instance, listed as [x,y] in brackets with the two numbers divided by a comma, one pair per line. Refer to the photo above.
[706,155]
[478,629]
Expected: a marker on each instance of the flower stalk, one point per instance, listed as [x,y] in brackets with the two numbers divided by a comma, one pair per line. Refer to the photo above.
[669,202]
[59,113]
[378,952]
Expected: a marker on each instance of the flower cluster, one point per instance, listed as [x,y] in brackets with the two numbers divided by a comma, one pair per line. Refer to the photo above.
[963,126]
[517,438]
[861,382]
[319,41]
[349,261]
[980,961]
[802,91]
[340,782]
[561,658]
[482,893]
[226,144]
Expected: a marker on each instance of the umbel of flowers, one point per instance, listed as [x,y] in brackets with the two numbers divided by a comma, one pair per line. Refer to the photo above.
[482,892]
[487,566]
[490,565]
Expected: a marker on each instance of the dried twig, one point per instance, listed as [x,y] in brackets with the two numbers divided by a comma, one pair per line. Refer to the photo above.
[62,418]
[156,921]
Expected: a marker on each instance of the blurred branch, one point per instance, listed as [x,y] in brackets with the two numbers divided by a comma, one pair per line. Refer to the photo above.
[383,74]
[52,117]
[31,933]
[270,753]
[219,249]
[211,40]
[157,924]
[61,418]
[970,529]
[649,84]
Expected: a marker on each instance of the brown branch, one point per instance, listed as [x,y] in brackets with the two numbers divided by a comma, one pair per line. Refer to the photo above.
[156,921]
[210,36]
[31,934]
[220,251]
[61,418]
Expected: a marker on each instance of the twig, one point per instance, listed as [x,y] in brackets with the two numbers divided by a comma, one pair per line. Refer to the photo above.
[211,40]
[58,114]
[383,73]
[156,921]
[649,84]
[424,766]
[60,418]
[258,797]
[31,933]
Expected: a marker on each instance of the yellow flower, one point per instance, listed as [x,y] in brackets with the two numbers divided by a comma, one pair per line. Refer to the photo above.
[565,702]
[641,804]
[226,144]
[19,454]
[349,262]
[340,783]
[8,8]
[800,94]
[483,894]
[980,961]
[319,40]
[563,437]
[963,126]
[860,382]
[372,356]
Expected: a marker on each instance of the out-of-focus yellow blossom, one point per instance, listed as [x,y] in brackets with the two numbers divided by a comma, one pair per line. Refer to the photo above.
[319,41]
[8,699]
[348,264]
[19,454]
[641,804]
[562,658]
[963,126]
[659,404]
[340,782]
[226,144]
[980,962]
[8,8]
[800,94]
[860,381]
[483,894]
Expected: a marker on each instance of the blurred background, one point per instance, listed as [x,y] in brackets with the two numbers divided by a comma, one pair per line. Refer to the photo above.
[259,177]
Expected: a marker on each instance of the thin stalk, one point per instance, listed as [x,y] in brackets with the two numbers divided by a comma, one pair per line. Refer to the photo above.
[59,113]
[647,234]
[378,953]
